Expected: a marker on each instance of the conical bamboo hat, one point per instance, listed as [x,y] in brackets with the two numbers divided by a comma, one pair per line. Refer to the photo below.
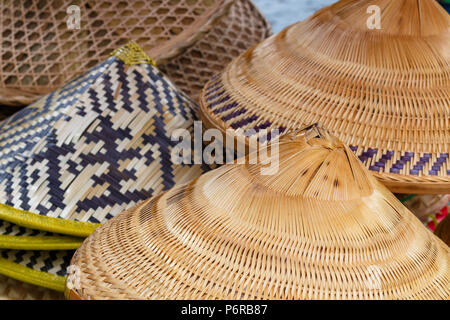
[95,147]
[320,228]
[384,92]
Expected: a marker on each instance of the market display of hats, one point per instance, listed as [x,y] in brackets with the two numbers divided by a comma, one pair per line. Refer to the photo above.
[95,147]
[384,92]
[47,43]
[11,289]
[330,231]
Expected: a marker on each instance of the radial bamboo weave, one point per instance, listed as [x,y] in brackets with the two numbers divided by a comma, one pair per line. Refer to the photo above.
[385,93]
[41,50]
[320,228]
[11,289]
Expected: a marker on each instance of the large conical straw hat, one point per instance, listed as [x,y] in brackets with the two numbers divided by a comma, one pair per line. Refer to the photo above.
[384,92]
[46,43]
[96,146]
[320,228]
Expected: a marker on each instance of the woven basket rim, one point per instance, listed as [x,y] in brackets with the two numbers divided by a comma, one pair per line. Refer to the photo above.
[394,182]
[179,44]
[223,96]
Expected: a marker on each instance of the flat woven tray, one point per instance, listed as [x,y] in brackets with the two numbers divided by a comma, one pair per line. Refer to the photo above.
[41,49]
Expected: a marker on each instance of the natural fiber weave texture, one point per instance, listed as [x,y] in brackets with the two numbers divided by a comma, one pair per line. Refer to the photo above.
[11,289]
[7,228]
[19,238]
[320,228]
[43,46]
[96,146]
[243,27]
[386,92]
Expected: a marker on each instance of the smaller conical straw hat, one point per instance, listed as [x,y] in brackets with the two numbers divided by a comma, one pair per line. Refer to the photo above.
[94,147]
[320,228]
[384,92]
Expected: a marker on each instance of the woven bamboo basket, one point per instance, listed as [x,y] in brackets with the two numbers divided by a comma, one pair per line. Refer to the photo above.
[386,93]
[42,49]
[11,289]
[321,227]
[93,148]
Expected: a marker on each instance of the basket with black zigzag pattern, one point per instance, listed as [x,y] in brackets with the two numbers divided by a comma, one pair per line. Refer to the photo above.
[385,92]
[90,150]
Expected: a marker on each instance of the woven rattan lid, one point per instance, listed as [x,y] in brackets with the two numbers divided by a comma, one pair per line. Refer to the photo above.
[95,147]
[44,43]
[320,228]
[385,93]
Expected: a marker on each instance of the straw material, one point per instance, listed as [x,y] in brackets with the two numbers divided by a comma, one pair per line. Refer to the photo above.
[243,27]
[40,53]
[386,92]
[95,147]
[320,228]
[11,289]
